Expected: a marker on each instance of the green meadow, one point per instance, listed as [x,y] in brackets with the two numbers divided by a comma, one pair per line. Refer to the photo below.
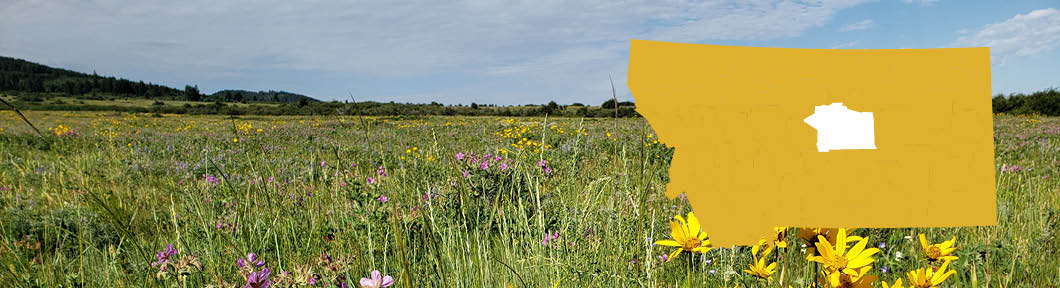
[322,201]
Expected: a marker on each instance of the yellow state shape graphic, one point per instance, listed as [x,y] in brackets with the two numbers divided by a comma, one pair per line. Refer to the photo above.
[748,162]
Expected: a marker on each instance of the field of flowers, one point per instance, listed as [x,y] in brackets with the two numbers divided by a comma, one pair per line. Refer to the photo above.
[121,200]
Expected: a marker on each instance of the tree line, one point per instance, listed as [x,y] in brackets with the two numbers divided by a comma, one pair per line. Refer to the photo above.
[1045,102]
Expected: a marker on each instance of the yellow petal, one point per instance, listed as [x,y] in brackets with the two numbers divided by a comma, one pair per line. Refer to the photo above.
[693,225]
[824,247]
[670,243]
[841,242]
[676,232]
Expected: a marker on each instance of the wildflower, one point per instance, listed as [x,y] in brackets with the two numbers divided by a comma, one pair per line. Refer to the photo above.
[504,166]
[664,257]
[3,188]
[840,261]
[759,268]
[857,280]
[371,180]
[942,251]
[259,279]
[251,259]
[810,237]
[780,237]
[883,270]
[383,199]
[465,173]
[687,236]
[1011,168]
[323,163]
[882,245]
[928,278]
[163,257]
[460,156]
[381,171]
[377,280]
[897,284]
[484,165]
[549,238]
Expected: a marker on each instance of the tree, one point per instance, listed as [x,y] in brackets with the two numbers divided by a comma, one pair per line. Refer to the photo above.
[474,105]
[550,108]
[191,93]
[609,104]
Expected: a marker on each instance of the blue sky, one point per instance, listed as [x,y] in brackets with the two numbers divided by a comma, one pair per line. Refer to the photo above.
[514,52]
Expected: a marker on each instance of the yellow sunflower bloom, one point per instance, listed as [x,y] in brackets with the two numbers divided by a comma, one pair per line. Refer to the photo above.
[897,284]
[928,277]
[838,279]
[780,238]
[941,251]
[810,236]
[759,268]
[841,260]
[687,236]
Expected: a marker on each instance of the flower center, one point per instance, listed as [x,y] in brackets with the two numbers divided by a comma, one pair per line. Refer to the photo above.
[934,252]
[691,243]
[839,262]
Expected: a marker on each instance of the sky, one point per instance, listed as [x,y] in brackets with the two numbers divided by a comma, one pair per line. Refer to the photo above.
[493,52]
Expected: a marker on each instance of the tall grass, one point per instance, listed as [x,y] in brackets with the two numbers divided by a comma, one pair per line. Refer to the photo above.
[102,200]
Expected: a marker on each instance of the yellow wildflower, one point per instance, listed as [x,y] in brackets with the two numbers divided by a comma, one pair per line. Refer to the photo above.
[687,236]
[928,277]
[941,251]
[841,260]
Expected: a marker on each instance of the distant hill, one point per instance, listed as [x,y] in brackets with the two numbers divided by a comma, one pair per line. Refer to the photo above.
[260,96]
[19,76]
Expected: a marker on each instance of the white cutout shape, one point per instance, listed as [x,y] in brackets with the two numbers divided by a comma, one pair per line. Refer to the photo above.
[839,128]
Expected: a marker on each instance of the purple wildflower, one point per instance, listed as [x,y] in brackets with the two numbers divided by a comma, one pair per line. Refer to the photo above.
[484,165]
[882,245]
[323,163]
[3,188]
[460,156]
[549,238]
[664,257]
[371,180]
[382,199]
[210,179]
[504,166]
[251,259]
[883,269]
[163,257]
[270,179]
[1011,168]
[259,279]
[466,174]
[381,171]
[377,280]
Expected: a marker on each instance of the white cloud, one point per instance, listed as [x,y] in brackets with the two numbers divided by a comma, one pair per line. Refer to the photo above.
[844,45]
[1023,35]
[860,25]
[568,46]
